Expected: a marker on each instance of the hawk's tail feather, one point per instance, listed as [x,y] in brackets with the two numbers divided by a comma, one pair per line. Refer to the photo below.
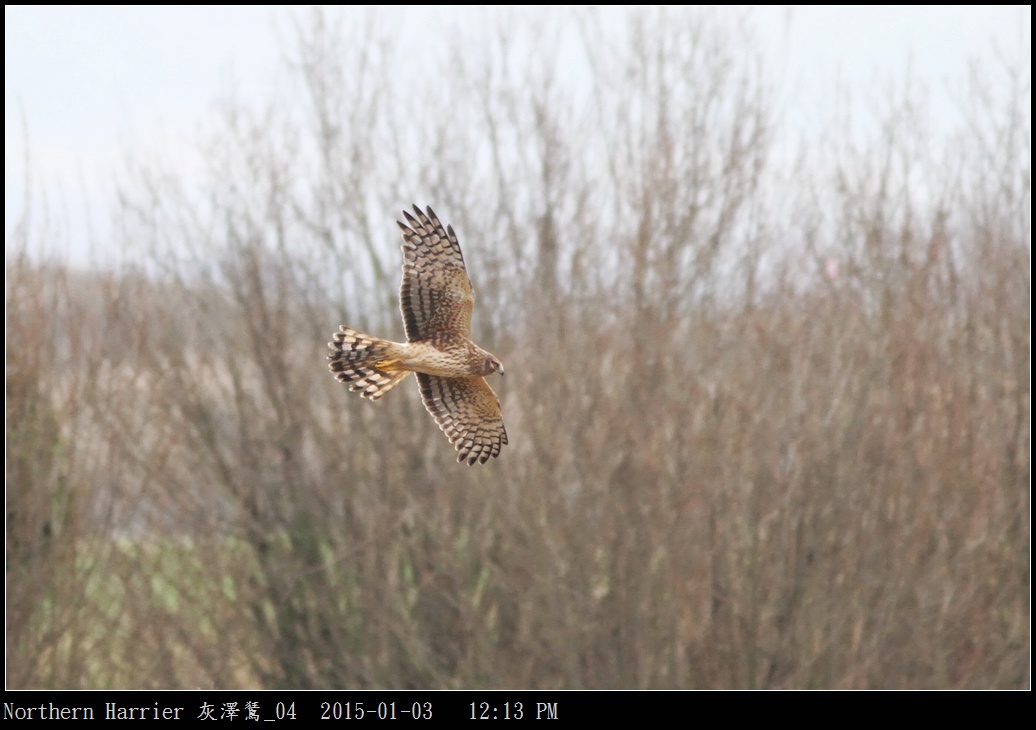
[355,359]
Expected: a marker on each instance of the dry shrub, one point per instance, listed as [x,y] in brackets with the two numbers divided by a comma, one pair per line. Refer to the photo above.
[735,461]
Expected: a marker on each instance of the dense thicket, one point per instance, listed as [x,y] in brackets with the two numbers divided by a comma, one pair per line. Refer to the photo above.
[769,420]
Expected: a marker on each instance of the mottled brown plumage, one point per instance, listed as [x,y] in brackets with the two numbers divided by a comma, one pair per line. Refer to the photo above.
[436,299]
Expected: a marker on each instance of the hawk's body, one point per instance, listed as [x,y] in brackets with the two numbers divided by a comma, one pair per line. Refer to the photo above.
[436,299]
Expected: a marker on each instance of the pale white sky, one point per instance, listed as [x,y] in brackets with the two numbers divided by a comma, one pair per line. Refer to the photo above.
[87,87]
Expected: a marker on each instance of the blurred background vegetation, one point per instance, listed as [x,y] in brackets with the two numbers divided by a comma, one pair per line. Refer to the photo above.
[769,411]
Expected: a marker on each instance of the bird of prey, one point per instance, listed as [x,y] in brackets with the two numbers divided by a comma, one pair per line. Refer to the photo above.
[436,299]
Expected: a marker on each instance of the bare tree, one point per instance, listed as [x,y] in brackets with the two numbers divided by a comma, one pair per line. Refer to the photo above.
[749,448]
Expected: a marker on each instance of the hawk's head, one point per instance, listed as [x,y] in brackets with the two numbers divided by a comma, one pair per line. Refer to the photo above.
[492,365]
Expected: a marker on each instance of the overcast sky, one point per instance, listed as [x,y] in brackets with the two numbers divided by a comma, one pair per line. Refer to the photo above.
[88,86]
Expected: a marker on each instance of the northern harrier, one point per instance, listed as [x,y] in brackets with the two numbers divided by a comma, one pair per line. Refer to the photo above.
[436,300]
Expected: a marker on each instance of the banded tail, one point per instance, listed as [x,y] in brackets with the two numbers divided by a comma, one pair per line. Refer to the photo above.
[364,361]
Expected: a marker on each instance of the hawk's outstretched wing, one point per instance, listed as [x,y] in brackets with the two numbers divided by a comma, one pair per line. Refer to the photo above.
[468,412]
[436,295]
